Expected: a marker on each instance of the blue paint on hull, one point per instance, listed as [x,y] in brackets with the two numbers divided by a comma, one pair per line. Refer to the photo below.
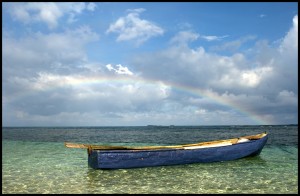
[118,159]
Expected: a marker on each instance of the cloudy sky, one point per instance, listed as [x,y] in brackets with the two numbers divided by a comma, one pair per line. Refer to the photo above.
[116,64]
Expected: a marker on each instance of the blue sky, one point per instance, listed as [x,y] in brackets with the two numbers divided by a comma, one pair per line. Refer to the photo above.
[115,64]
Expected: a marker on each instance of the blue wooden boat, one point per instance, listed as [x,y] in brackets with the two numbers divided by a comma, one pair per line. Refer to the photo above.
[119,157]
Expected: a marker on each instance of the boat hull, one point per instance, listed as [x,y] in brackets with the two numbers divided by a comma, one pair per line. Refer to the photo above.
[120,159]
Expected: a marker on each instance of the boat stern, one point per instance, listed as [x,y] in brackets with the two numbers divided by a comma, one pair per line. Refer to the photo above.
[93,160]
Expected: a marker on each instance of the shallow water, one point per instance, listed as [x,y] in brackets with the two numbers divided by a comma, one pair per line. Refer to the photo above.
[34,160]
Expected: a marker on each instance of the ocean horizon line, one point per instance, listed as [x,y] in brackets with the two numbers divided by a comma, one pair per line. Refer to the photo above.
[149,125]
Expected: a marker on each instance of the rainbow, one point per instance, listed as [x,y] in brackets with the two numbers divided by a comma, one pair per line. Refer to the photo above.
[47,82]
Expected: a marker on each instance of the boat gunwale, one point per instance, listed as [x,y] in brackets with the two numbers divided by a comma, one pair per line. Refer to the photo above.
[193,146]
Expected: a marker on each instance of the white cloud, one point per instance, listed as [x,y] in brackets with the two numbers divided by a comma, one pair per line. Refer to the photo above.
[290,42]
[183,37]
[132,27]
[45,51]
[119,70]
[90,93]
[138,10]
[233,46]
[260,82]
[26,58]
[48,12]
[91,6]
[236,78]
[49,80]
[285,61]
[196,67]
[213,37]
[287,98]
[250,78]
[200,112]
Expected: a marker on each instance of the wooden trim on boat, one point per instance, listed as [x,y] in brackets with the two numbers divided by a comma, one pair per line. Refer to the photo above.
[184,146]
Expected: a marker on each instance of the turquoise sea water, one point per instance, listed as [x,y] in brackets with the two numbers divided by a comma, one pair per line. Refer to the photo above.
[34,160]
